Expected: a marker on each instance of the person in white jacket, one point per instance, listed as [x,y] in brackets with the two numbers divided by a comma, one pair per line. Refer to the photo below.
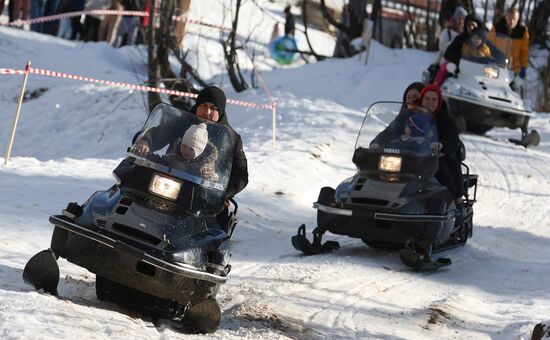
[450,32]
[455,27]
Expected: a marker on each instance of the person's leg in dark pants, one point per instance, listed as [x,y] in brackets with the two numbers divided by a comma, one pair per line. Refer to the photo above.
[456,171]
[445,176]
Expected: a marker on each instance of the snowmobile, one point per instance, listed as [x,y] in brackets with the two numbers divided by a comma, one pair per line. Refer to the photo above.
[484,93]
[153,239]
[394,201]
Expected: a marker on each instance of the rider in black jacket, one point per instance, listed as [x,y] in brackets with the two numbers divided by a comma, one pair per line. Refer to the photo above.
[210,105]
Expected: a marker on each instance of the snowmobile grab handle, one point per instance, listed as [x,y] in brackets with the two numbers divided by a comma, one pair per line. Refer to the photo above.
[232,200]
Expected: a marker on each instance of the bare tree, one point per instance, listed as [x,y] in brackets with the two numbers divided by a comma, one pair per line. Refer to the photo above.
[231,58]
[349,27]
[498,11]
[538,25]
[164,38]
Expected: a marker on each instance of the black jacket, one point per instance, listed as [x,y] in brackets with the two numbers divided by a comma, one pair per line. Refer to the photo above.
[453,53]
[289,25]
[168,132]
[447,132]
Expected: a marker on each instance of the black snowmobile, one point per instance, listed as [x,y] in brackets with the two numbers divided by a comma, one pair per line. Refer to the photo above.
[394,200]
[153,239]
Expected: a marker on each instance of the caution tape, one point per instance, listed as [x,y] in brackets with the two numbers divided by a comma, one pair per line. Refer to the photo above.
[42,72]
[18,23]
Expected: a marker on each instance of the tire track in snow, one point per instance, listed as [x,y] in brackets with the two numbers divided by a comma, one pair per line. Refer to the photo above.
[502,204]
[513,161]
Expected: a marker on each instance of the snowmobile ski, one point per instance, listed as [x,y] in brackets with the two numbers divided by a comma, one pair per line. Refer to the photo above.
[530,139]
[301,243]
[42,271]
[204,317]
[411,259]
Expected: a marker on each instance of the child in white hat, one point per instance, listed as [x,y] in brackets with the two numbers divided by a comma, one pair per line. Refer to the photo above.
[194,141]
[194,154]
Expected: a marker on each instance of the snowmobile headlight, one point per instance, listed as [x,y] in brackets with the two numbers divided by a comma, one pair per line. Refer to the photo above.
[195,257]
[164,187]
[490,72]
[390,163]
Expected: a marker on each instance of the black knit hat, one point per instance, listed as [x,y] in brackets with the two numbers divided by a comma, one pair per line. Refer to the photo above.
[213,95]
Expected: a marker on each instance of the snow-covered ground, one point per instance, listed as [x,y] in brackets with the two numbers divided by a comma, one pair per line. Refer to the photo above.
[73,134]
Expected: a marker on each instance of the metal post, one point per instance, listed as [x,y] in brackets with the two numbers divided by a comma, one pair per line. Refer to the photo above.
[14,127]
[273,121]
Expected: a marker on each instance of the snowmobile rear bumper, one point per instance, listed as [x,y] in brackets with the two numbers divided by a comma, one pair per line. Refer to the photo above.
[132,267]
[372,224]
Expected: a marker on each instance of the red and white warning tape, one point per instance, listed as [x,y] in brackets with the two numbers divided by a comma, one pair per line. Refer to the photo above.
[7,71]
[54,17]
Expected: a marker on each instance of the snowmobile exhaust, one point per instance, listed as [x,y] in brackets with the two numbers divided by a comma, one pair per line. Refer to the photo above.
[301,243]
[42,271]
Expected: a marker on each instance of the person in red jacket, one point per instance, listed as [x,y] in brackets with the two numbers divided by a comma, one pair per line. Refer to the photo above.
[449,172]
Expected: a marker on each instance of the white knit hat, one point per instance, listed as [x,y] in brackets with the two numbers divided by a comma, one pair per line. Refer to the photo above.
[196,138]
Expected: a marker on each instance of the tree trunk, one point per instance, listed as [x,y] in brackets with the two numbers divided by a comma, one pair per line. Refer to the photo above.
[162,39]
[230,52]
[498,10]
[546,86]
[485,10]
[153,98]
[182,11]
[304,19]
[539,23]
[376,17]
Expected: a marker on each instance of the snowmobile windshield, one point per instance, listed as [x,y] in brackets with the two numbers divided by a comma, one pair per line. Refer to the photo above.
[488,48]
[185,151]
[393,133]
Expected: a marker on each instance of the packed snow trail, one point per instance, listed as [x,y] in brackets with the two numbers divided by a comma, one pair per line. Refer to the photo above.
[72,135]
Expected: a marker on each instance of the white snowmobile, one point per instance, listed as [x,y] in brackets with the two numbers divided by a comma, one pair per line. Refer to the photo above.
[484,93]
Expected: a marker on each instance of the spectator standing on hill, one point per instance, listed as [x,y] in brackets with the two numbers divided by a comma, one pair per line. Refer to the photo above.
[76,25]
[37,11]
[129,26]
[455,27]
[109,25]
[20,9]
[92,22]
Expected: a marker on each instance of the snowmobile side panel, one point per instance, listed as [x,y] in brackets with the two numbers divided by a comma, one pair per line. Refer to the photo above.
[62,222]
[478,115]
[138,255]
[507,109]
